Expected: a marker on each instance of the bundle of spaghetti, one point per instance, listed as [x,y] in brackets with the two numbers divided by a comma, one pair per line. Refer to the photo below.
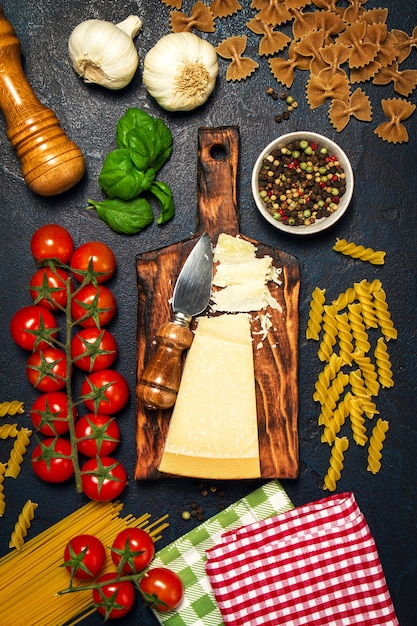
[376,443]
[384,316]
[358,251]
[315,317]
[357,421]
[345,337]
[364,293]
[336,463]
[383,363]
[329,373]
[338,418]
[21,443]
[2,496]
[31,578]
[357,325]
[11,408]
[329,333]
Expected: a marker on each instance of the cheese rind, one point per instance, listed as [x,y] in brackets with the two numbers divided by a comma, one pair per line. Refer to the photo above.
[213,432]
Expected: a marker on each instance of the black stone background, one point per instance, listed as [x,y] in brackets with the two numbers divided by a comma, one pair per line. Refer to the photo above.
[382,215]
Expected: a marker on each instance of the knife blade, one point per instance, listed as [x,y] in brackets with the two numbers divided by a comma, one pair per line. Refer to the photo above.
[160,380]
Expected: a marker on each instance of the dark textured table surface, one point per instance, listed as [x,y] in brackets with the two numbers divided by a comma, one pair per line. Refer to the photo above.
[381,215]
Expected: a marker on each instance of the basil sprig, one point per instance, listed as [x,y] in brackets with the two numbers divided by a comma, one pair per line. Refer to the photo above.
[144,144]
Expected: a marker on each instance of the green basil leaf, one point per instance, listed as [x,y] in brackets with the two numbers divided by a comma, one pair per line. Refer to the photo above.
[141,148]
[164,137]
[128,217]
[133,118]
[119,176]
[164,195]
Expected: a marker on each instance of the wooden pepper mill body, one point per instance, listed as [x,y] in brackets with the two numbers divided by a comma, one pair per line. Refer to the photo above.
[51,162]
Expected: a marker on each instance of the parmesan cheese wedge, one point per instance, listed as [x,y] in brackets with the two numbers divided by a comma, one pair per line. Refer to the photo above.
[213,432]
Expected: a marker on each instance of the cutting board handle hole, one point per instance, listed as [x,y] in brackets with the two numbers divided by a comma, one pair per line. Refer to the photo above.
[218,152]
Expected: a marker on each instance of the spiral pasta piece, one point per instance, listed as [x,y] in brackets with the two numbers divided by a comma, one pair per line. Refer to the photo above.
[368,370]
[358,251]
[332,398]
[376,443]
[315,317]
[337,420]
[330,333]
[345,338]
[2,496]
[8,430]
[357,421]
[336,463]
[365,297]
[20,446]
[383,363]
[325,377]
[11,408]
[22,525]
[384,316]
[357,325]
[345,298]
[359,390]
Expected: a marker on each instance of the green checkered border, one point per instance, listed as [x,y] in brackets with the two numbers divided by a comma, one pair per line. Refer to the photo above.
[187,555]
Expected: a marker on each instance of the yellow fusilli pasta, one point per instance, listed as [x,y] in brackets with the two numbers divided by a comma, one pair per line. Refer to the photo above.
[20,446]
[325,377]
[336,463]
[345,298]
[384,316]
[315,317]
[365,297]
[368,371]
[383,363]
[2,496]
[358,251]
[376,443]
[345,338]
[357,325]
[357,421]
[337,420]
[8,430]
[22,525]
[332,398]
[359,390]
[330,333]
[11,408]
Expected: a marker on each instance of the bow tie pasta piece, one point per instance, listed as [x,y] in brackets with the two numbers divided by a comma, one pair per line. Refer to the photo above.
[240,67]
[200,18]
[396,110]
[225,8]
[272,41]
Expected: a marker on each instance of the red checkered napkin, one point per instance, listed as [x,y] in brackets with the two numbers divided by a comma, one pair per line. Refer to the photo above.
[316,564]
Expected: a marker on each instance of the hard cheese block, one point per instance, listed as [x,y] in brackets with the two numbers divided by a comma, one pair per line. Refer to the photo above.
[213,432]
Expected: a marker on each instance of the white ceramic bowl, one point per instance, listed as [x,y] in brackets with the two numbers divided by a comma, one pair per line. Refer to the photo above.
[333,149]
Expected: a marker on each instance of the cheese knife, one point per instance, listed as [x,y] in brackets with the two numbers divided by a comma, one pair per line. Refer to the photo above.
[160,381]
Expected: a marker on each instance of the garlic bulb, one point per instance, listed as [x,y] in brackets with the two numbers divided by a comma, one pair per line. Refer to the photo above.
[180,71]
[104,53]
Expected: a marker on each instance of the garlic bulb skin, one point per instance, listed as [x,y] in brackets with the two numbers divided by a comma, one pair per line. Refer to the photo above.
[104,53]
[180,71]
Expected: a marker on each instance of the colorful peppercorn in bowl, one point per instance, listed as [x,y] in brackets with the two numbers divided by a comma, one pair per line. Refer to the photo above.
[302,183]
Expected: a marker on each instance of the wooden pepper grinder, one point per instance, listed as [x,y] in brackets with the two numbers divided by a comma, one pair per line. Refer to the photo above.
[51,163]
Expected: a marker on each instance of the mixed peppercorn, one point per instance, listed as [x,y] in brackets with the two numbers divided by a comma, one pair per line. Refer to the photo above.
[301,183]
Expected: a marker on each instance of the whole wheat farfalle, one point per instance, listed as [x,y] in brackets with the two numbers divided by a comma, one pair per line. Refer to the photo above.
[233,48]
[283,69]
[272,41]
[362,51]
[274,12]
[225,8]
[174,4]
[358,105]
[405,81]
[354,11]
[319,90]
[405,43]
[200,18]
[396,110]
[329,23]
[309,48]
[303,23]
[333,56]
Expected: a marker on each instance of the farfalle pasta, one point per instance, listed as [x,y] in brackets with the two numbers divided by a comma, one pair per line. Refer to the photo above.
[396,110]
[240,67]
[225,8]
[272,41]
[22,525]
[200,18]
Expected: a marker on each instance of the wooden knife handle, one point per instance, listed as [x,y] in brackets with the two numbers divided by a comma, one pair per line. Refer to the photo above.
[51,163]
[160,381]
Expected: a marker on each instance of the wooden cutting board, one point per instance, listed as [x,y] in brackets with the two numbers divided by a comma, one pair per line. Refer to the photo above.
[275,357]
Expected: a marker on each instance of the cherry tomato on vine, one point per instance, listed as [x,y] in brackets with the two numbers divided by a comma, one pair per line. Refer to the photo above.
[48,288]
[31,327]
[47,369]
[103,478]
[84,556]
[162,589]
[132,550]
[93,256]
[52,241]
[51,460]
[105,391]
[97,435]
[93,306]
[49,413]
[115,599]
[93,349]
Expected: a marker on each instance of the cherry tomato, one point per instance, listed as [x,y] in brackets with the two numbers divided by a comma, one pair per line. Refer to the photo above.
[32,326]
[94,256]
[93,306]
[47,369]
[97,435]
[51,460]
[162,589]
[93,349]
[84,556]
[48,288]
[49,413]
[103,478]
[52,241]
[116,599]
[105,391]
[132,550]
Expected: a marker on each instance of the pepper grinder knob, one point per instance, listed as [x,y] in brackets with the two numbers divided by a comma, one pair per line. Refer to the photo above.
[51,162]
